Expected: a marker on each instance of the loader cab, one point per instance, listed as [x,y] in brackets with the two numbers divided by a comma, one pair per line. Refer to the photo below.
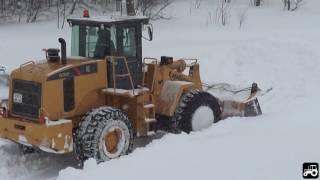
[98,38]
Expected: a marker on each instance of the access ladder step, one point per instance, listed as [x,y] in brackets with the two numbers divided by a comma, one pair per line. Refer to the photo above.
[122,75]
[150,120]
[149,106]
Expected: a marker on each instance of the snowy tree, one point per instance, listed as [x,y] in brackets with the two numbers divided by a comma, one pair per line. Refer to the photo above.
[32,10]
[222,11]
[291,5]
[130,7]
[153,8]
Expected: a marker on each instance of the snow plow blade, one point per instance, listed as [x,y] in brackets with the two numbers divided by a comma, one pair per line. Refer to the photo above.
[235,101]
[55,137]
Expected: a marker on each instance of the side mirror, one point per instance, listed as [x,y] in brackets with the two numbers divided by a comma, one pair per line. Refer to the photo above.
[149,27]
[150,32]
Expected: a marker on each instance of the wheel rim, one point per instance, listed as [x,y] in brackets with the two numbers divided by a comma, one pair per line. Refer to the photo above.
[113,142]
[202,118]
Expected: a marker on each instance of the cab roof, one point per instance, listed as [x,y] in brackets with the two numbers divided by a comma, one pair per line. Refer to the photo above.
[107,20]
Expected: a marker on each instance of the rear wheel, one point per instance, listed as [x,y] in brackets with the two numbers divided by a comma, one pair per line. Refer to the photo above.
[197,110]
[105,133]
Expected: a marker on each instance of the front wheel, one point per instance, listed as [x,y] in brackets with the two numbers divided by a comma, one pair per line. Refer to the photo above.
[197,110]
[105,133]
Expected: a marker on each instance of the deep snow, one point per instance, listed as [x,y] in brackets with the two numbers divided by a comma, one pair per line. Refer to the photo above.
[275,48]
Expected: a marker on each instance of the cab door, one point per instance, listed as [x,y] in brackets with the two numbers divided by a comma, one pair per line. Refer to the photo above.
[129,41]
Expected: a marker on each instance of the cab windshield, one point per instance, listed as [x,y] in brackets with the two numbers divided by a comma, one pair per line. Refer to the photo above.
[93,41]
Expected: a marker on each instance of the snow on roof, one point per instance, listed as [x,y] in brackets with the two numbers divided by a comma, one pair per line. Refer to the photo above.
[110,19]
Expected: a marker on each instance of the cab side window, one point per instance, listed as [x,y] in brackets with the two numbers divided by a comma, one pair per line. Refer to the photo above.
[129,42]
[93,41]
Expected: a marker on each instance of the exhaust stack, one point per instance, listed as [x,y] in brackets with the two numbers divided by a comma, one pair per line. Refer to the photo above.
[63,51]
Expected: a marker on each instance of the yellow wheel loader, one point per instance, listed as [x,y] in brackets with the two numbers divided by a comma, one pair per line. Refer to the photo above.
[95,102]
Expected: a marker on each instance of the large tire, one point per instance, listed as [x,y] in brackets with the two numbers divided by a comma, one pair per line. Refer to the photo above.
[103,134]
[193,104]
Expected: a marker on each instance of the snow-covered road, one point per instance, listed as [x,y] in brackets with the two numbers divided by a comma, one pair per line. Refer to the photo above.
[275,48]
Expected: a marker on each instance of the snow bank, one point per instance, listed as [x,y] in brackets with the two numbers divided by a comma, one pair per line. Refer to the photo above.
[24,42]
[274,48]
[15,165]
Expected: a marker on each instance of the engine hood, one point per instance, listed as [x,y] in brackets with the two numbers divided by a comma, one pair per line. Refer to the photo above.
[42,70]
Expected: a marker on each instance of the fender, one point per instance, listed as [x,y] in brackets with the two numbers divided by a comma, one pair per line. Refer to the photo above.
[170,96]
